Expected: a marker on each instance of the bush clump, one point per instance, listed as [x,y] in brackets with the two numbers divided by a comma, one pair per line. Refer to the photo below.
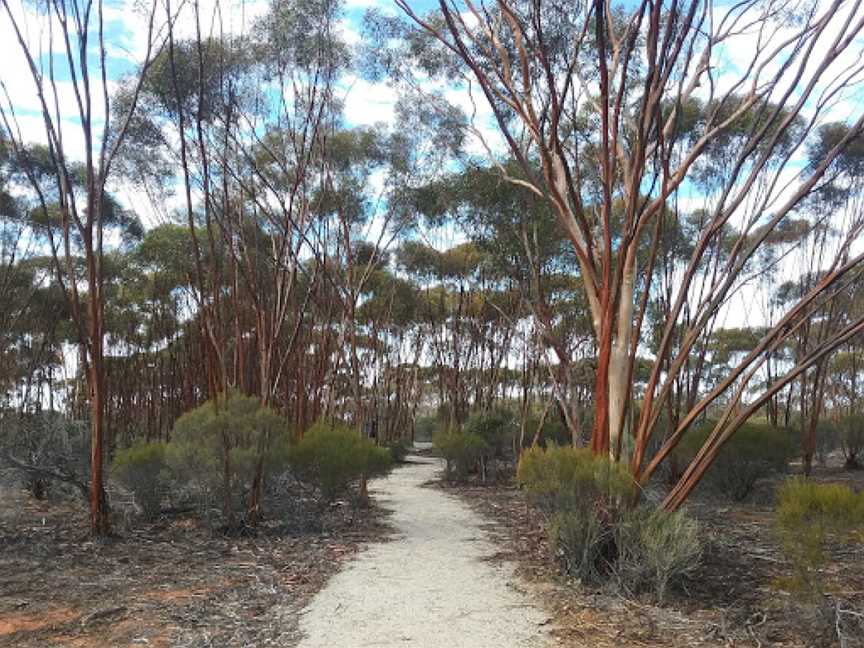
[480,445]
[399,449]
[461,452]
[222,447]
[142,469]
[808,515]
[756,450]
[852,440]
[330,459]
[654,548]
[495,428]
[596,530]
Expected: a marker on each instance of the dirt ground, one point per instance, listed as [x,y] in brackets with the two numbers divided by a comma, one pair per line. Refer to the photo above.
[732,599]
[169,583]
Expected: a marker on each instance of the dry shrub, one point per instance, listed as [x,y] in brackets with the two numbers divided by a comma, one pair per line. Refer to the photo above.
[595,529]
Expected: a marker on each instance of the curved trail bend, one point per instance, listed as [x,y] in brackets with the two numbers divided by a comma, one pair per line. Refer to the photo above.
[428,587]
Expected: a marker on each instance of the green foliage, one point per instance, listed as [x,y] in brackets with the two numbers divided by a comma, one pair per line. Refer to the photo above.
[594,528]
[654,548]
[331,458]
[460,450]
[554,430]
[217,447]
[142,468]
[495,429]
[424,428]
[399,449]
[565,478]
[808,515]
[852,439]
[756,450]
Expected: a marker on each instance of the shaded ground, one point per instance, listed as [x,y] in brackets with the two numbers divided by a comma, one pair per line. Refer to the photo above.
[171,583]
[432,585]
[732,600]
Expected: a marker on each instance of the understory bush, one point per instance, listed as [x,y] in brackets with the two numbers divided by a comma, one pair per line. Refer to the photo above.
[808,516]
[398,450]
[142,469]
[554,429]
[852,440]
[495,428]
[460,450]
[595,529]
[47,451]
[331,459]
[219,449]
[756,450]
[481,444]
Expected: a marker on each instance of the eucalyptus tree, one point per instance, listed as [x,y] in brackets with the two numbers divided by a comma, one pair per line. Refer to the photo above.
[81,207]
[632,106]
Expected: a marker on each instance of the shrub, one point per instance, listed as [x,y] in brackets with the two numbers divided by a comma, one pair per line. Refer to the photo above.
[495,429]
[807,516]
[142,469]
[582,496]
[329,459]
[424,428]
[565,478]
[219,447]
[461,452]
[827,440]
[852,440]
[594,528]
[554,430]
[654,549]
[49,451]
[399,449]
[755,450]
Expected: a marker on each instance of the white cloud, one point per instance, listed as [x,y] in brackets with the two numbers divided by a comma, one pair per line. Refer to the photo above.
[369,103]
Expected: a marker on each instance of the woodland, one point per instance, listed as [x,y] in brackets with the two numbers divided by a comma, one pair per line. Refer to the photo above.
[604,256]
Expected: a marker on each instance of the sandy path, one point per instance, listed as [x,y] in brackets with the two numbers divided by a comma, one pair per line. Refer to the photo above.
[426,588]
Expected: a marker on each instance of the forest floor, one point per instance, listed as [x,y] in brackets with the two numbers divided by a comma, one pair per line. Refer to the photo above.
[457,566]
[171,583]
[731,599]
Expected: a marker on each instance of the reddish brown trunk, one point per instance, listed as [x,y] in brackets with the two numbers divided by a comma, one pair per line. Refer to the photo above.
[600,433]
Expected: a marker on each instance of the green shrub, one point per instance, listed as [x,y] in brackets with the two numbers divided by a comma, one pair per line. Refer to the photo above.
[582,496]
[827,439]
[594,527]
[807,516]
[554,430]
[142,468]
[495,428]
[852,440]
[654,548]
[399,449]
[329,459]
[566,478]
[461,452]
[218,448]
[424,428]
[756,450]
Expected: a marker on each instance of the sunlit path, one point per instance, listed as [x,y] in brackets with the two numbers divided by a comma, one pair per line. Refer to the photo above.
[428,586]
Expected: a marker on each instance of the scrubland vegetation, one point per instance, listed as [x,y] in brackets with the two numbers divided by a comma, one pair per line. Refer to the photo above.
[605,256]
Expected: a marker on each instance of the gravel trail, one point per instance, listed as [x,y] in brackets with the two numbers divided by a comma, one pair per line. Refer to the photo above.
[429,586]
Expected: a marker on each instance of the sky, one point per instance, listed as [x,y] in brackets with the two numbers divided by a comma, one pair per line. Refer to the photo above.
[366,103]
